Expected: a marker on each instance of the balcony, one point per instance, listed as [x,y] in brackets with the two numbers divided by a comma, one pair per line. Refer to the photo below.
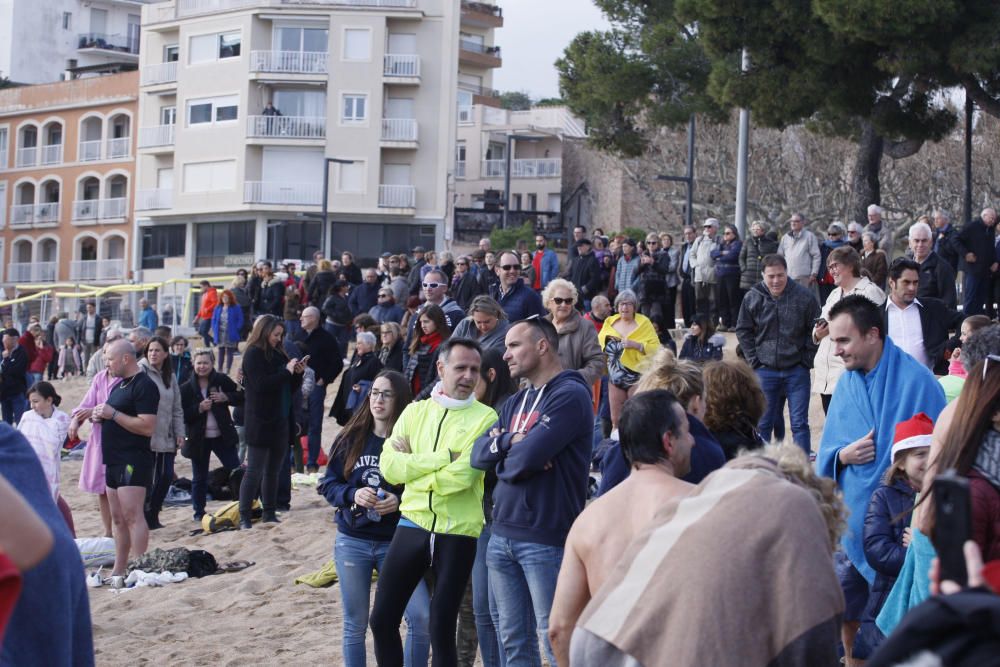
[26,157]
[161,73]
[523,168]
[114,208]
[288,194]
[22,216]
[493,169]
[481,15]
[287,127]
[154,199]
[289,62]
[32,272]
[85,211]
[119,148]
[475,54]
[97,269]
[399,130]
[89,151]
[397,196]
[156,135]
[52,154]
[195,7]
[119,44]
[47,214]
[398,68]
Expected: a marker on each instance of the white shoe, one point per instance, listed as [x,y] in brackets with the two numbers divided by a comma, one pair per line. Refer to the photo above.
[94,580]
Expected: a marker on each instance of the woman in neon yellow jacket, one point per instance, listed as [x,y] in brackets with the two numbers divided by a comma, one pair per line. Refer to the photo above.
[629,341]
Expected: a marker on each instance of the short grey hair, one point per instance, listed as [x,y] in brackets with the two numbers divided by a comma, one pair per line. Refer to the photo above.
[759,223]
[366,337]
[920,227]
[871,237]
[626,295]
[875,208]
[142,333]
[941,213]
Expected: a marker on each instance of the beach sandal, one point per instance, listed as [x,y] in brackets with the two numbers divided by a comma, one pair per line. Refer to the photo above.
[234,566]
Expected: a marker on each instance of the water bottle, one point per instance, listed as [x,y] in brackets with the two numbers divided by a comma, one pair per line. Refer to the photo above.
[371,512]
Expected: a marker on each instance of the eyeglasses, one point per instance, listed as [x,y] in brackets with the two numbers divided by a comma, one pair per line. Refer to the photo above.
[559,301]
[510,267]
[433,285]
[377,395]
[630,304]
[384,296]
[387,332]
[652,242]
[462,263]
[986,363]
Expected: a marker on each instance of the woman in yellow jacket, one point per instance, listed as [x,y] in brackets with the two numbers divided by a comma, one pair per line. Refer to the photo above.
[628,340]
[442,505]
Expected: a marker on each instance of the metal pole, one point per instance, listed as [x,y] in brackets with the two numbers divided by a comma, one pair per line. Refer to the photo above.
[969,109]
[741,161]
[690,173]
[326,193]
[506,181]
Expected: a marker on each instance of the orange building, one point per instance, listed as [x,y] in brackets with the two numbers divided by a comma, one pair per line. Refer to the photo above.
[67,156]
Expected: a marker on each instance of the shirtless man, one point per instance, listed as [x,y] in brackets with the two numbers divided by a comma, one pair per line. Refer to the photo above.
[657,443]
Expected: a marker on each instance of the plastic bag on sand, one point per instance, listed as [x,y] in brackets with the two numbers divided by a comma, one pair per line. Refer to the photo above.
[143,578]
[305,479]
[96,551]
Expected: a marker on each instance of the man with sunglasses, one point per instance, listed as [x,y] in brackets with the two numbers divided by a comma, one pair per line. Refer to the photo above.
[517,299]
[435,290]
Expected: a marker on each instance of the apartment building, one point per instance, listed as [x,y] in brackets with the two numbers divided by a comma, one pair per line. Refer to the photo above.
[478,56]
[66,180]
[363,89]
[53,40]
[530,144]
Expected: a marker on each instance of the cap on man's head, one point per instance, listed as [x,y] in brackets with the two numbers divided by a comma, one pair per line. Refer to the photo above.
[711,222]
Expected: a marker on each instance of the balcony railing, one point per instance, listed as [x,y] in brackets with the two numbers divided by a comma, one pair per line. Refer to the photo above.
[89,151]
[113,208]
[156,135]
[493,168]
[289,62]
[52,154]
[483,8]
[291,127]
[105,42]
[86,209]
[97,269]
[401,65]
[22,215]
[189,7]
[157,198]
[476,47]
[304,194]
[193,7]
[118,148]
[47,213]
[397,196]
[523,168]
[460,169]
[26,157]
[160,73]
[399,129]
[32,272]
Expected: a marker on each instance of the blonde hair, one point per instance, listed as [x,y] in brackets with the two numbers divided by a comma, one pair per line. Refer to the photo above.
[681,377]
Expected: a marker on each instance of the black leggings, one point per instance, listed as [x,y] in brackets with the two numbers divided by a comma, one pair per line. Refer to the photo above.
[409,557]
[163,477]
[263,466]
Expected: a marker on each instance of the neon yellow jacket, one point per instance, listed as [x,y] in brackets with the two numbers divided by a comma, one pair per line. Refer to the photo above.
[441,495]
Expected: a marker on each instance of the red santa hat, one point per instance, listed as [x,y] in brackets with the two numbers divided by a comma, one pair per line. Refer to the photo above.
[914,432]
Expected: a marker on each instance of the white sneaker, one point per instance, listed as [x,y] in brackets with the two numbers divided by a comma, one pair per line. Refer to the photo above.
[94,580]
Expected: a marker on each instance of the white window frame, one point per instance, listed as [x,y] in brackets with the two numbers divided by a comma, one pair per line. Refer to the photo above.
[214,102]
[4,146]
[3,204]
[207,186]
[343,44]
[359,163]
[166,52]
[222,35]
[355,122]
[216,49]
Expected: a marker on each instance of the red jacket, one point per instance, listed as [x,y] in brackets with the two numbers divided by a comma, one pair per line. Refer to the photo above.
[27,341]
[43,356]
[985,515]
[209,300]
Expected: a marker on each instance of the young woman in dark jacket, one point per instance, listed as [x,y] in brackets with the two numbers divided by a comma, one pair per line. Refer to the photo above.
[391,352]
[269,378]
[367,514]
[420,365]
[701,343]
[207,397]
[364,366]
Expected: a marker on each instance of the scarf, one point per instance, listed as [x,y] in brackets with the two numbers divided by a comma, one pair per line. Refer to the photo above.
[431,339]
[446,401]
[895,390]
[987,461]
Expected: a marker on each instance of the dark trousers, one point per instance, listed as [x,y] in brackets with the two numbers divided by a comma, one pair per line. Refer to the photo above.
[670,308]
[974,289]
[688,310]
[315,412]
[205,331]
[705,300]
[163,476]
[263,467]
[728,297]
[414,551]
[199,468]
[12,407]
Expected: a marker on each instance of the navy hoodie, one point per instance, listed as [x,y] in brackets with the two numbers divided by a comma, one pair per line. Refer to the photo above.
[338,488]
[541,480]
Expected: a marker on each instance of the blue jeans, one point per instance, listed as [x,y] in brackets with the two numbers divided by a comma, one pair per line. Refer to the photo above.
[523,577]
[13,407]
[794,384]
[355,559]
[292,328]
[483,602]
[34,378]
[199,468]
[315,411]
[205,331]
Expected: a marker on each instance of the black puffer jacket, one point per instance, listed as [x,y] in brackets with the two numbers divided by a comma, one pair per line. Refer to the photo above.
[777,333]
[755,249]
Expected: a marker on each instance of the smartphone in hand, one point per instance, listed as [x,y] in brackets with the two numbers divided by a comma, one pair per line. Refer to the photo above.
[952,525]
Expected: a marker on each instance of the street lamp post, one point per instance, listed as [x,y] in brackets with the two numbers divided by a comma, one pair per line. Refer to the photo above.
[326,194]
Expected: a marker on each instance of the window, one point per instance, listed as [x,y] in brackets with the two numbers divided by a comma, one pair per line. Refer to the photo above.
[160,242]
[213,110]
[3,147]
[354,108]
[67,20]
[3,205]
[351,177]
[292,238]
[209,48]
[210,176]
[168,115]
[532,202]
[215,242]
[308,40]
[171,54]
[515,202]
[357,43]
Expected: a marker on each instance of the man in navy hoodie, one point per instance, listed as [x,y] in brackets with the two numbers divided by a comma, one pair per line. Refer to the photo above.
[540,450]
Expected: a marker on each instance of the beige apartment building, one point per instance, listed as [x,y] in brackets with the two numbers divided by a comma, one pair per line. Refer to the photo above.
[66,181]
[364,88]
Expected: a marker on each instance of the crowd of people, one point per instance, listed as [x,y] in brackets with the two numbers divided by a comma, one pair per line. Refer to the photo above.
[528,461]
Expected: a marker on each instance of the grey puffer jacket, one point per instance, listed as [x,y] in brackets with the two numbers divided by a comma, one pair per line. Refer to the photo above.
[777,333]
[579,348]
[169,415]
